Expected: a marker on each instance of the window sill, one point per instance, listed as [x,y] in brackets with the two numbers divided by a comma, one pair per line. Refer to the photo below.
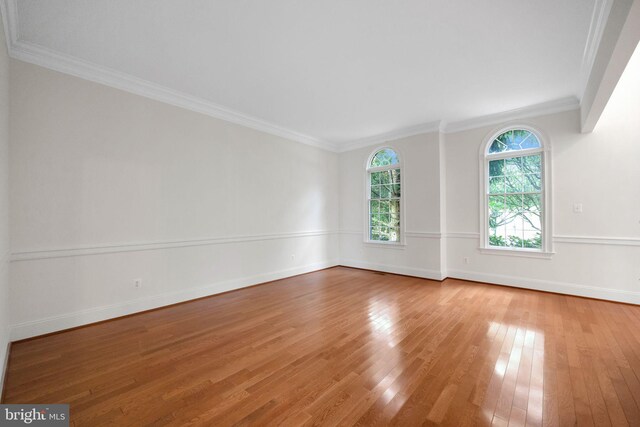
[385,245]
[517,253]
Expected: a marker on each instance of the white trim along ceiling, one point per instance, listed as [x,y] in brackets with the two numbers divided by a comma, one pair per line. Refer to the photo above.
[58,61]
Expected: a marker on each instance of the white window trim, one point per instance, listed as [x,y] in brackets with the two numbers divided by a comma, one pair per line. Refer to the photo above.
[546,252]
[401,243]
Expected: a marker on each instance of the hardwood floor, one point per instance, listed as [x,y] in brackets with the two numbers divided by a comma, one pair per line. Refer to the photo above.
[349,347]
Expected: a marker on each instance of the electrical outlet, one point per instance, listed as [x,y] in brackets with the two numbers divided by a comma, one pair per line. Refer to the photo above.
[137,283]
[293,257]
[577,208]
[466,260]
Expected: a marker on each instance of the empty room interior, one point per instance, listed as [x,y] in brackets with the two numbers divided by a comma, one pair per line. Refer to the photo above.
[359,212]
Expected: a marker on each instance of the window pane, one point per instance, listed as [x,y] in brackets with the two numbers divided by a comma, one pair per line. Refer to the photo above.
[384,204]
[515,193]
[385,226]
[375,178]
[396,175]
[532,164]
[515,221]
[375,220]
[496,184]
[532,223]
[513,204]
[496,221]
[395,220]
[384,157]
[513,166]
[374,234]
[532,182]
[385,191]
[515,229]
[513,140]
[497,146]
[514,183]
[496,167]
[395,190]
[394,206]
[384,233]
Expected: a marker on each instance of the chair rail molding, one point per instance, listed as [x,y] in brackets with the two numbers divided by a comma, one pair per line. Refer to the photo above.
[566,239]
[30,255]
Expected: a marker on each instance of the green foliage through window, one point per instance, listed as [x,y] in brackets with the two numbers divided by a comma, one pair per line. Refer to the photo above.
[515,193]
[384,197]
[384,157]
[513,140]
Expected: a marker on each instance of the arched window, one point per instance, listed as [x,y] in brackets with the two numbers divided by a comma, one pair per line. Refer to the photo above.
[515,200]
[384,196]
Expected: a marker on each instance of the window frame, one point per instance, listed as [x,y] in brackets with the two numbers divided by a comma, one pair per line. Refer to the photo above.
[400,243]
[546,251]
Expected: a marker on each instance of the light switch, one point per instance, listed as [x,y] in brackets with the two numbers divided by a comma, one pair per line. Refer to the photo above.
[577,208]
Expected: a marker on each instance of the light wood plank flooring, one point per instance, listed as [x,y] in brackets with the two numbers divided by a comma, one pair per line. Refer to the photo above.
[347,347]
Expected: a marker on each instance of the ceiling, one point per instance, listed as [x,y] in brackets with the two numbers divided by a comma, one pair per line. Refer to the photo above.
[333,71]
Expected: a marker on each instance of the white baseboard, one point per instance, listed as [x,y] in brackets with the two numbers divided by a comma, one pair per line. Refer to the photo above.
[617,295]
[70,320]
[396,269]
[5,359]
[96,314]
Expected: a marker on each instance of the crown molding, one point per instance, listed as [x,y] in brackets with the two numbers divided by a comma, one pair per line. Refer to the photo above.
[618,42]
[67,64]
[551,107]
[536,110]
[390,136]
[599,18]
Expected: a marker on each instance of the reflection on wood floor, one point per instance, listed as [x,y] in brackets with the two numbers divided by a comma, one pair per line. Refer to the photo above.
[350,347]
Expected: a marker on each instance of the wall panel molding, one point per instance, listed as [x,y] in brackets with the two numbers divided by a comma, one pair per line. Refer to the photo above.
[30,255]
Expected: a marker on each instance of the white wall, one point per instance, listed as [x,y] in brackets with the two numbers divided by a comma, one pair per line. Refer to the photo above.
[597,251]
[4,204]
[108,187]
[421,193]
